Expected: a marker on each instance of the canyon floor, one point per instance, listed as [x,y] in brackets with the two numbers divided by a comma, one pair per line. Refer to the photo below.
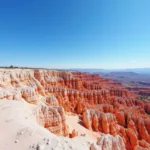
[74,122]
[55,110]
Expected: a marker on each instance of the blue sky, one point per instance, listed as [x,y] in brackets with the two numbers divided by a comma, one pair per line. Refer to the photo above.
[75,33]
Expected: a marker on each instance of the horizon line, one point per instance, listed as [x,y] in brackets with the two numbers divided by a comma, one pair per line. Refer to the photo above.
[32,67]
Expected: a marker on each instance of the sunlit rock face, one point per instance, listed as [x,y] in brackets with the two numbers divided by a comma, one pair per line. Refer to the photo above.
[53,119]
[99,121]
[103,105]
[109,142]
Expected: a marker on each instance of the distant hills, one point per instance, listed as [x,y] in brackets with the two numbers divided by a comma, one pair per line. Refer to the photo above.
[131,77]
[122,74]
[91,70]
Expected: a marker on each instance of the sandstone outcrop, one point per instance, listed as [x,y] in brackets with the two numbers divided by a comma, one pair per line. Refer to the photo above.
[53,119]
[74,133]
[99,121]
[109,142]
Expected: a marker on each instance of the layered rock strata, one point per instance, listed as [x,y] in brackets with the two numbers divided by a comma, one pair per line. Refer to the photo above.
[103,105]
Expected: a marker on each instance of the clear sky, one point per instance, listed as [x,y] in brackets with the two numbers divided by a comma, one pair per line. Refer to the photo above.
[75,33]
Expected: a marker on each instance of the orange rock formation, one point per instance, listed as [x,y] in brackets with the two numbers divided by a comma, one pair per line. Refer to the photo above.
[104,105]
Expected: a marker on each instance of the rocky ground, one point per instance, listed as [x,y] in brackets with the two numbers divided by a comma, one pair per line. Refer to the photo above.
[43,110]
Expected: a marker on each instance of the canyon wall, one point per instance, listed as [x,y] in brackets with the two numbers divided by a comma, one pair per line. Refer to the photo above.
[103,105]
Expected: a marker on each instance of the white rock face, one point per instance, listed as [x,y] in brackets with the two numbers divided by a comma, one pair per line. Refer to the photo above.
[29,85]
[95,147]
[109,142]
